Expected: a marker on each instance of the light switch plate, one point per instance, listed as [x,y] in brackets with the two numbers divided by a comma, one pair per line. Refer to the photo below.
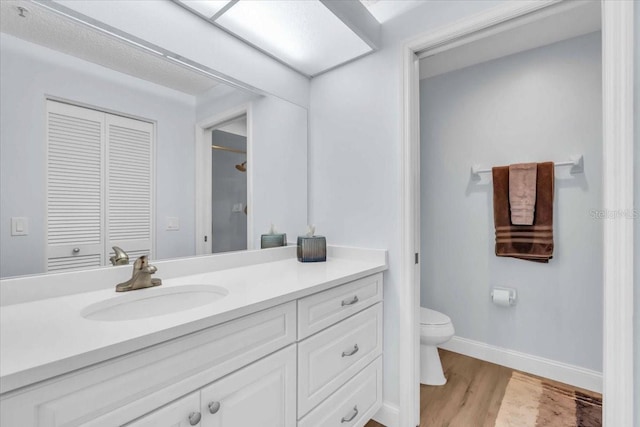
[173,223]
[19,226]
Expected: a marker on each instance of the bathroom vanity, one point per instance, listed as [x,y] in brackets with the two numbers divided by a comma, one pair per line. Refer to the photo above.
[284,344]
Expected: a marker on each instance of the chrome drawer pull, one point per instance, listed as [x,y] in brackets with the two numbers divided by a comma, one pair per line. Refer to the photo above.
[214,407]
[350,302]
[352,352]
[347,419]
[194,418]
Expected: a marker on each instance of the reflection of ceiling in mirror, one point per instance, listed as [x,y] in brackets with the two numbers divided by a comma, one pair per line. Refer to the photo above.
[48,29]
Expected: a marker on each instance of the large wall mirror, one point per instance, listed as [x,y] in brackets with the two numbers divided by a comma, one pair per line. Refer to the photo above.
[106,141]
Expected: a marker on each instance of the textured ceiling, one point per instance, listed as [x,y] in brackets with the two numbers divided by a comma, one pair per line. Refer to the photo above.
[48,29]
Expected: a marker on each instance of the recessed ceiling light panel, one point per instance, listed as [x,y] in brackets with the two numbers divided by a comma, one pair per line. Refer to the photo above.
[304,34]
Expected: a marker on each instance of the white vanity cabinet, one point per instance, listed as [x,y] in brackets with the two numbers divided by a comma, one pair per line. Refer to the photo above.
[314,361]
[123,389]
[261,394]
[340,354]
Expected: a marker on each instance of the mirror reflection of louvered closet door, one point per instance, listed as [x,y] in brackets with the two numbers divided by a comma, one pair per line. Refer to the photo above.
[99,186]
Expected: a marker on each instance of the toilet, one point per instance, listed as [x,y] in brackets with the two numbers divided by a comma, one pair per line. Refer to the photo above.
[435,329]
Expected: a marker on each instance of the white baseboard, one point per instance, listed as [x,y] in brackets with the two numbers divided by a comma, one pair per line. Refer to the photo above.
[562,372]
[388,415]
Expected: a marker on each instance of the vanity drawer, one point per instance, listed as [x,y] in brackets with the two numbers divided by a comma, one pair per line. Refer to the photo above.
[328,359]
[353,404]
[324,309]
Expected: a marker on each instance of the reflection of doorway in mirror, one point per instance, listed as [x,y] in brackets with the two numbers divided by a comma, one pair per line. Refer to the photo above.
[229,186]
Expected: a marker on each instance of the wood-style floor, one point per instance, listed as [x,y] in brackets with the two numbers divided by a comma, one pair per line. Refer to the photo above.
[471,397]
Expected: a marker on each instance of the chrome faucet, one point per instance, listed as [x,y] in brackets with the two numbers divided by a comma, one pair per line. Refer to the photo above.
[141,277]
[120,258]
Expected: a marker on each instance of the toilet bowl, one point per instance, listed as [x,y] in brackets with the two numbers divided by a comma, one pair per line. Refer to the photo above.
[435,329]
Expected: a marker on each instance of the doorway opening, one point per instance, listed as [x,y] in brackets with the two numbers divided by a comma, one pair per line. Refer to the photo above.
[224,175]
[229,186]
[616,161]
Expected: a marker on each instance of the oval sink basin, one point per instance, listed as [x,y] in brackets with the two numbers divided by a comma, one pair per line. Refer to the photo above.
[151,302]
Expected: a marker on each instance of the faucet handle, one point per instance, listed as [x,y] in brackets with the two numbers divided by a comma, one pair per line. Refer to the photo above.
[120,257]
[142,265]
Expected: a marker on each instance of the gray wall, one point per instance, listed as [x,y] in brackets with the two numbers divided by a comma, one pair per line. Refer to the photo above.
[538,105]
[278,166]
[229,186]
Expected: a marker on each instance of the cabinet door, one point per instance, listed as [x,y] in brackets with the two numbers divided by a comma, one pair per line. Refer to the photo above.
[75,192]
[261,394]
[181,413]
[129,185]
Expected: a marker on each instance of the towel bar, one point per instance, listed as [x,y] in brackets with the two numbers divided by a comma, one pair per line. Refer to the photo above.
[576,163]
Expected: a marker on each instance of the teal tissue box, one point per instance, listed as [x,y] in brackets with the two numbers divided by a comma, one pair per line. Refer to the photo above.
[312,249]
[273,240]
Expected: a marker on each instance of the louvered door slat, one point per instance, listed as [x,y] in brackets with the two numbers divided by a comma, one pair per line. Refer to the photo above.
[129,185]
[75,195]
[68,263]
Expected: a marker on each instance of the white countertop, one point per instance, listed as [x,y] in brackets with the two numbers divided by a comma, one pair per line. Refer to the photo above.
[44,338]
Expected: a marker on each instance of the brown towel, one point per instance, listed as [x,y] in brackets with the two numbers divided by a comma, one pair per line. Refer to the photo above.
[528,242]
[522,192]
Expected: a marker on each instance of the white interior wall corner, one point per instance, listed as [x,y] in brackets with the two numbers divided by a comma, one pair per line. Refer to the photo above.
[354,155]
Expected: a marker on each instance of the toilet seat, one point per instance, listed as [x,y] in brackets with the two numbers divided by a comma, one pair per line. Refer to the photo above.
[432,317]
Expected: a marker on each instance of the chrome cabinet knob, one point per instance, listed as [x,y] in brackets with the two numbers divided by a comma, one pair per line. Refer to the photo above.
[351,352]
[214,407]
[194,418]
[76,250]
[351,417]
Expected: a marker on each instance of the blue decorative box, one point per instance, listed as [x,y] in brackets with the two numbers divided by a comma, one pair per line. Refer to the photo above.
[312,249]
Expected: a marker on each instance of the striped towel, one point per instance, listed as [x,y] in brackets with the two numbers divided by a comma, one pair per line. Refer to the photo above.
[529,242]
